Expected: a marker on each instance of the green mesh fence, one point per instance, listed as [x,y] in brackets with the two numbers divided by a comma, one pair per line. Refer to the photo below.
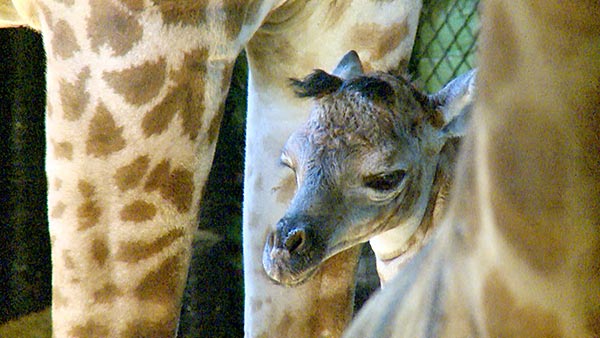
[446,42]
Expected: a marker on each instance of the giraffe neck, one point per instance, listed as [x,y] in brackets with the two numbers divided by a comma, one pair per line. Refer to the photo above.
[135,97]
[396,247]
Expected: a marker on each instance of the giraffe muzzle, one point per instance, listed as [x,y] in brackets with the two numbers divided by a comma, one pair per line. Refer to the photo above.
[289,256]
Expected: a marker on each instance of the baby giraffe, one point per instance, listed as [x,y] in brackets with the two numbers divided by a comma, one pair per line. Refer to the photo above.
[374,161]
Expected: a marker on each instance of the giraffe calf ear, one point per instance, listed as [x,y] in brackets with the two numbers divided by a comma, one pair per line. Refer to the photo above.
[454,102]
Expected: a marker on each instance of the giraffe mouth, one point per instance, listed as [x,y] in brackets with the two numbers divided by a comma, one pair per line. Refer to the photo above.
[279,277]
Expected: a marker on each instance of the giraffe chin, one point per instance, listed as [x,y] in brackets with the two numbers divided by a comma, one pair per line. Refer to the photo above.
[289,280]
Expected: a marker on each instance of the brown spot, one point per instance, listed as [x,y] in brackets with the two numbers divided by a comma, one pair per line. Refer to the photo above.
[86,189]
[215,125]
[110,25]
[58,210]
[90,329]
[215,122]
[88,212]
[135,251]
[287,188]
[67,2]
[138,211]
[506,317]
[133,5]
[163,286]
[145,328]
[74,97]
[284,326]
[256,305]
[235,12]
[157,120]
[185,12]
[57,184]
[104,137]
[336,11]
[129,176]
[185,99]
[270,56]
[46,13]
[138,84]
[58,299]
[158,176]
[49,108]
[253,12]
[176,187]
[106,294]
[388,38]
[258,183]
[64,43]
[68,261]
[99,251]
[63,150]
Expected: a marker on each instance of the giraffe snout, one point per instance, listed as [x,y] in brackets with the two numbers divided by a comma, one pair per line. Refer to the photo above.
[292,237]
[287,256]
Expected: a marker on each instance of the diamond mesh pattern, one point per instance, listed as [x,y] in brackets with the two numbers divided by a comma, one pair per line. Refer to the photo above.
[446,42]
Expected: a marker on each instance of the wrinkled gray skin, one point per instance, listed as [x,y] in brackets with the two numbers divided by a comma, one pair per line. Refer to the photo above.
[364,163]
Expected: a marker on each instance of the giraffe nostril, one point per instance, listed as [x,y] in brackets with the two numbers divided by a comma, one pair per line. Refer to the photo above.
[295,240]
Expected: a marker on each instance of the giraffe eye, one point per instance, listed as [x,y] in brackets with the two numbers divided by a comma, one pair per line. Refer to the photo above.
[384,181]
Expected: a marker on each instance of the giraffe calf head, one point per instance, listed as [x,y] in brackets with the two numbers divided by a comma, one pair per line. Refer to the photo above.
[364,163]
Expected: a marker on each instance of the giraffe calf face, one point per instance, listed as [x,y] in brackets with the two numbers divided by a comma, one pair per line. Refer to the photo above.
[363,164]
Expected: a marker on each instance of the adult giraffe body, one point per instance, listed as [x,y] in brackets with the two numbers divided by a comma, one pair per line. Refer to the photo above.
[135,91]
[519,253]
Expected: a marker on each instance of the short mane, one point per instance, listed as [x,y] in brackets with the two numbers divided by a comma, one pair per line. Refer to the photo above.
[317,84]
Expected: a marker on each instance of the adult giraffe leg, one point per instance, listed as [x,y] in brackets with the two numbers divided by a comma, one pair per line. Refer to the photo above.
[133,111]
[295,39]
